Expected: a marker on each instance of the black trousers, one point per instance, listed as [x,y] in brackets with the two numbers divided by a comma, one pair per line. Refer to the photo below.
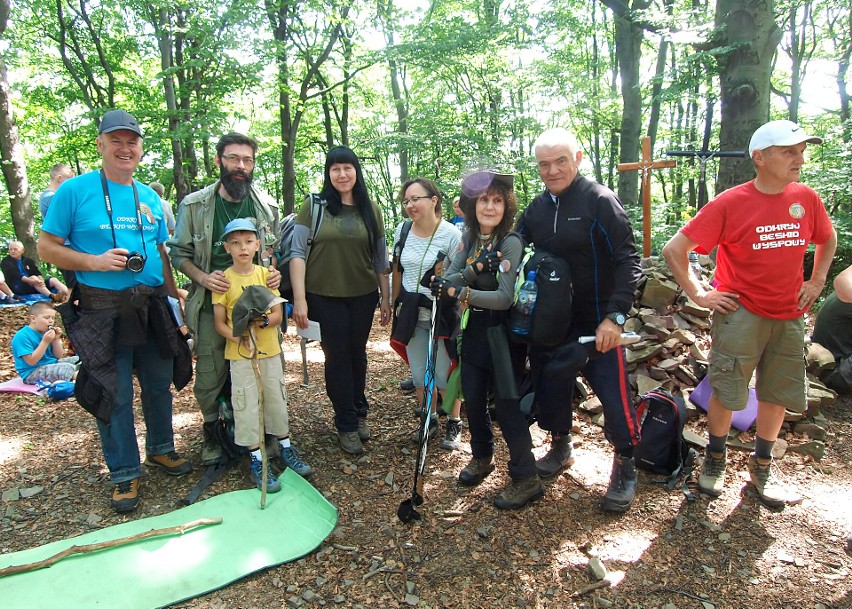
[476,381]
[345,327]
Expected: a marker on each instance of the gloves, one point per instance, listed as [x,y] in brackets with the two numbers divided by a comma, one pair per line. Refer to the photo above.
[440,288]
[486,262]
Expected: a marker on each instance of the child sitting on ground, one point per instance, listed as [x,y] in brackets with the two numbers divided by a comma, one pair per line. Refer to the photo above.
[38,349]
[260,339]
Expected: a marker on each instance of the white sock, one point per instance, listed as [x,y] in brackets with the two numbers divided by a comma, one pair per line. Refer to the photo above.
[255,454]
[284,442]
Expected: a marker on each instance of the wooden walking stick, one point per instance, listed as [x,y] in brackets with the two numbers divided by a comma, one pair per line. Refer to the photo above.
[261,419]
[103,545]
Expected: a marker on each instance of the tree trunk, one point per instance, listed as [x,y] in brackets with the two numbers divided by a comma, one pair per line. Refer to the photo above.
[749,30]
[12,157]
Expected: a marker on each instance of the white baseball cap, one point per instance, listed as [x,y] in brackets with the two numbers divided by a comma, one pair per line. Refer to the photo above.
[779,133]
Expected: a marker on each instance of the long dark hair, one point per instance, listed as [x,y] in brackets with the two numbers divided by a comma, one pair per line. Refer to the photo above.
[342,154]
[510,207]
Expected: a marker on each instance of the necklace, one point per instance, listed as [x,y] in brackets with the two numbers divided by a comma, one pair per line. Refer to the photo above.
[224,206]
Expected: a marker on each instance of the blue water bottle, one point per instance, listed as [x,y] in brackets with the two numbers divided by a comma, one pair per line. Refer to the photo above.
[522,312]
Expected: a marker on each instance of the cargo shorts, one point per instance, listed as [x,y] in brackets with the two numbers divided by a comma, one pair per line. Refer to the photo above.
[744,343]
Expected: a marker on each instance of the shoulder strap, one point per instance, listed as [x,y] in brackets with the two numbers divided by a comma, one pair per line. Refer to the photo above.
[317,212]
[400,244]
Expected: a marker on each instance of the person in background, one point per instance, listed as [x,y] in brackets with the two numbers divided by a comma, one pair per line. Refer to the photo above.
[476,279]
[833,330]
[167,207]
[7,296]
[458,218]
[762,229]
[25,278]
[429,238]
[58,174]
[38,349]
[121,324]
[339,285]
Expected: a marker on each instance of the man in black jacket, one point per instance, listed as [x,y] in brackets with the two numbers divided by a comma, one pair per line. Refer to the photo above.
[584,223]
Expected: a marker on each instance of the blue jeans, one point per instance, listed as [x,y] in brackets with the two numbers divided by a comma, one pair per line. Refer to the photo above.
[118,439]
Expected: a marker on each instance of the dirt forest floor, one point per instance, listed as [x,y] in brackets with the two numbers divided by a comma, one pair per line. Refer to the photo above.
[664,553]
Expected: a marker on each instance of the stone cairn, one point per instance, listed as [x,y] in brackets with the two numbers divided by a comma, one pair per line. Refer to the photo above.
[672,353]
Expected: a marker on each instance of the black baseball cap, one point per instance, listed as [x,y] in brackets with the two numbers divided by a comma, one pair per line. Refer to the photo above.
[118,120]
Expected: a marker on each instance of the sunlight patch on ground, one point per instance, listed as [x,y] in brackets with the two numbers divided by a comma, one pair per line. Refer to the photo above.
[837,504]
[626,546]
[182,420]
[10,450]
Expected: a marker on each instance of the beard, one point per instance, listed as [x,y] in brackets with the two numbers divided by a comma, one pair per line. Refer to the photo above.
[236,188]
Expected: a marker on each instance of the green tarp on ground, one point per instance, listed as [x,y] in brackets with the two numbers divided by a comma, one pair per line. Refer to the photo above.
[165,570]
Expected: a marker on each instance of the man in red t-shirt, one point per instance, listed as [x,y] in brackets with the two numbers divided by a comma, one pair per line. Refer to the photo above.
[762,229]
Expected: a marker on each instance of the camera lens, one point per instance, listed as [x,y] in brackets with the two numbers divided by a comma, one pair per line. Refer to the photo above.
[135,262]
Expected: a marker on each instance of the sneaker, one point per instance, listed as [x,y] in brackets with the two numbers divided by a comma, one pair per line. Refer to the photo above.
[476,471]
[560,455]
[519,493]
[769,488]
[433,430]
[125,496]
[272,484]
[211,450]
[622,485]
[407,384]
[172,463]
[364,429]
[294,461]
[452,435]
[350,442]
[711,478]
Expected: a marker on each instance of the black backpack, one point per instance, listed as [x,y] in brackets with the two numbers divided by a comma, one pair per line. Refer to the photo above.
[551,317]
[661,448]
[285,250]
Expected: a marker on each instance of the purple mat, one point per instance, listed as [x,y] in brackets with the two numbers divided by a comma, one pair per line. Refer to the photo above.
[741,419]
[16,385]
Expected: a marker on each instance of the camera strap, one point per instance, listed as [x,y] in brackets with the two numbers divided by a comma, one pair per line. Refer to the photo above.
[108,204]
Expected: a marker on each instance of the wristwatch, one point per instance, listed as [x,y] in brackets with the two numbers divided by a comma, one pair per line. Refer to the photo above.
[618,318]
[264,321]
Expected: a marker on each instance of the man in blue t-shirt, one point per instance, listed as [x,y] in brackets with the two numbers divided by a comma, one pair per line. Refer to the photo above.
[115,234]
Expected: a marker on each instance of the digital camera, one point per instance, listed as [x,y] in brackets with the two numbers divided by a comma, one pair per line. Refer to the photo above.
[135,262]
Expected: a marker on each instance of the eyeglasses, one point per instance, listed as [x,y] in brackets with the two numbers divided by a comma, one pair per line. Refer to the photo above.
[234,159]
[415,199]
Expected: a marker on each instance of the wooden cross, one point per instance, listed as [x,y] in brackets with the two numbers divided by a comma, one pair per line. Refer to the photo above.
[645,165]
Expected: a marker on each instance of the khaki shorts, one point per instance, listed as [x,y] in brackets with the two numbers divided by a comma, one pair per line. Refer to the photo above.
[744,342]
[245,399]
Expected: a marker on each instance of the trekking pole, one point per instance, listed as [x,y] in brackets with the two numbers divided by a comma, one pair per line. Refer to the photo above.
[260,418]
[407,512]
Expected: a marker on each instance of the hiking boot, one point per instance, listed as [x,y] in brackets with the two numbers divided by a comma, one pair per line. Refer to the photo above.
[433,430]
[519,493]
[125,496]
[272,484]
[172,463]
[407,384]
[294,461]
[452,435]
[622,485]
[769,488]
[711,478]
[364,429]
[560,455]
[476,471]
[350,442]
[211,450]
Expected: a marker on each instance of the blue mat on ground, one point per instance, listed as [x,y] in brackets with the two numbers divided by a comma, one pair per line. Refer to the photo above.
[164,570]
[26,300]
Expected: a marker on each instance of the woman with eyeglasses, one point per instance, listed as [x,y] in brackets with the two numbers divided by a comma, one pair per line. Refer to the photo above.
[338,286]
[482,278]
[428,239]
